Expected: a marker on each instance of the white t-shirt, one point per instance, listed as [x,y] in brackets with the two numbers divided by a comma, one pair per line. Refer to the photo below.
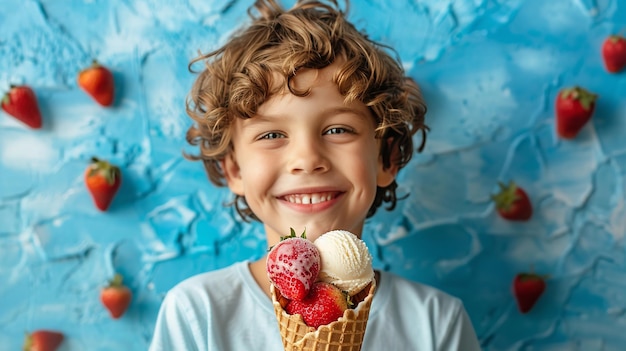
[225,310]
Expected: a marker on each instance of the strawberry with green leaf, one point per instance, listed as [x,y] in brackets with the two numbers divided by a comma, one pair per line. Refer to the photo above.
[293,266]
[574,108]
[21,103]
[116,297]
[614,53]
[102,179]
[527,289]
[97,81]
[513,203]
[43,340]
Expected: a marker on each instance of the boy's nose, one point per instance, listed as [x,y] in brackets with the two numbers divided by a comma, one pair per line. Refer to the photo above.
[308,158]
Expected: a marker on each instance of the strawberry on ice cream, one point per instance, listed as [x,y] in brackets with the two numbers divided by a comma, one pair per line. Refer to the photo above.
[293,266]
[324,305]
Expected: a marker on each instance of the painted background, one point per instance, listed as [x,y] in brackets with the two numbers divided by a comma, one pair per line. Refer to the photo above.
[489,69]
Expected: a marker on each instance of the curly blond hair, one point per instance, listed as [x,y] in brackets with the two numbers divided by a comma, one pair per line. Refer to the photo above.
[238,77]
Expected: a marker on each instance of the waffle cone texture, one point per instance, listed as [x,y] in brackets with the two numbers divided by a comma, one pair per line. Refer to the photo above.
[345,334]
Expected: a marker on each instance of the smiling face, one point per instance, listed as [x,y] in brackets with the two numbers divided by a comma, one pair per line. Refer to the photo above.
[307,162]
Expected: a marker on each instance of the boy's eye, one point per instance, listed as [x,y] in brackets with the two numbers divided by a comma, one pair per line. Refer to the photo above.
[271,135]
[337,130]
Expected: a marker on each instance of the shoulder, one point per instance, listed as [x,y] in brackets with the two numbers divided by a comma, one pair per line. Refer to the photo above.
[202,291]
[200,312]
[422,316]
[419,294]
[418,316]
[212,279]
[191,302]
[193,308]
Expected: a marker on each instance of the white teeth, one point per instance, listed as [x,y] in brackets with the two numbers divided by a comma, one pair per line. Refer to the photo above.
[315,199]
[308,199]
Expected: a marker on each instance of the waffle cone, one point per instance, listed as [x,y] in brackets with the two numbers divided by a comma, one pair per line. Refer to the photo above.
[345,334]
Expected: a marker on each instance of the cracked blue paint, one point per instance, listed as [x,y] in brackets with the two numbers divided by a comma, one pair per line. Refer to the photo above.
[489,71]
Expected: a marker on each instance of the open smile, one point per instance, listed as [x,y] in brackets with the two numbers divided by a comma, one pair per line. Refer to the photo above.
[310,199]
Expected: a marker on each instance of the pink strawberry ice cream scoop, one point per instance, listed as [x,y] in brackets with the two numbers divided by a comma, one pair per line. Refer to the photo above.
[346,261]
[293,266]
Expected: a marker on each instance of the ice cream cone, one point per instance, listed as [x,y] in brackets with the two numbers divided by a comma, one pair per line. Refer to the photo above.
[345,334]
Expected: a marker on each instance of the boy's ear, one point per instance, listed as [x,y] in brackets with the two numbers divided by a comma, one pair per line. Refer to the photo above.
[232,174]
[387,175]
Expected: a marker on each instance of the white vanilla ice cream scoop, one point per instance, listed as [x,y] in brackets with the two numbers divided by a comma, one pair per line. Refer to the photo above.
[345,260]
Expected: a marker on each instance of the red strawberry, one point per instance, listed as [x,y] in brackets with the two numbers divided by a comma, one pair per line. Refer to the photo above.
[527,288]
[293,265]
[324,304]
[43,340]
[21,103]
[614,53]
[116,297]
[102,180]
[512,203]
[98,82]
[574,107]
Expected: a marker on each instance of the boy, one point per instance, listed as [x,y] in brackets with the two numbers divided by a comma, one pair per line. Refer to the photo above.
[307,122]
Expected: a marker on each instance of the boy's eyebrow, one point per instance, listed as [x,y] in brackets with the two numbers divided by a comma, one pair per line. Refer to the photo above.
[345,109]
[328,111]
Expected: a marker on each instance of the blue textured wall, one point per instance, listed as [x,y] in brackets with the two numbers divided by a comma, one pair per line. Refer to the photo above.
[490,71]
